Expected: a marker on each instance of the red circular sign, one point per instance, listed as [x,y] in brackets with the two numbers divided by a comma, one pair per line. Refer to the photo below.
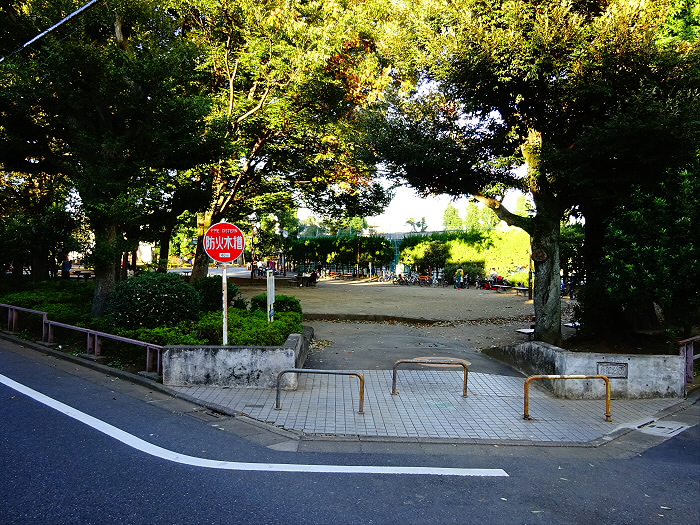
[224,242]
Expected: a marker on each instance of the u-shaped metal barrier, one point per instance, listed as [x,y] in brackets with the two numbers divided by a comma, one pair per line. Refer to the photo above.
[278,405]
[608,409]
[433,361]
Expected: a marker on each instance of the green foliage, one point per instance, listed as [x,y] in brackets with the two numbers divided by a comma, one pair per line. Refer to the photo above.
[505,250]
[252,328]
[185,333]
[472,250]
[471,238]
[451,219]
[480,218]
[75,314]
[283,303]
[72,294]
[343,250]
[210,292]
[431,254]
[154,299]
[652,252]
[249,327]
[683,22]
[571,249]
[417,225]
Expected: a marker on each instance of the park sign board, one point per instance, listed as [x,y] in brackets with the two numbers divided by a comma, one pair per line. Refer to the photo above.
[224,242]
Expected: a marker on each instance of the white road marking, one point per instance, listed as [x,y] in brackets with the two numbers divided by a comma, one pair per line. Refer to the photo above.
[153,450]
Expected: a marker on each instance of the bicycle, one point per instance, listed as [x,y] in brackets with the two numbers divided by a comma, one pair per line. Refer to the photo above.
[425,280]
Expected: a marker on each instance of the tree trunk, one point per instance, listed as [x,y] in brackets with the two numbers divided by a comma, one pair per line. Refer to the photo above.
[544,235]
[40,264]
[547,288]
[200,267]
[164,252]
[106,257]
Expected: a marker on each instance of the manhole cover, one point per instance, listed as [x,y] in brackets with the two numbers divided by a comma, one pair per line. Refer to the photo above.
[663,429]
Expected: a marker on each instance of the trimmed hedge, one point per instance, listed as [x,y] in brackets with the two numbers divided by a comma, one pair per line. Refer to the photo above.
[283,303]
[151,300]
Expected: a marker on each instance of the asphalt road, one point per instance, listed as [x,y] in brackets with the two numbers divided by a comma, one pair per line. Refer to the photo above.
[57,469]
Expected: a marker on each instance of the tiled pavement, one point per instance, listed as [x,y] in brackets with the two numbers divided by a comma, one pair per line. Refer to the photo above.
[430,406]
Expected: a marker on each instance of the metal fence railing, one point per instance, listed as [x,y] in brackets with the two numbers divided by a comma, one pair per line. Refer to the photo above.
[154,352]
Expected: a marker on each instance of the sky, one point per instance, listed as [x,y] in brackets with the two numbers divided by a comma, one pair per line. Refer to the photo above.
[406,204]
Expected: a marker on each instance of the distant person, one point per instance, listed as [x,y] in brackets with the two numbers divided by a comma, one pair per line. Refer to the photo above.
[493,276]
[459,275]
[66,266]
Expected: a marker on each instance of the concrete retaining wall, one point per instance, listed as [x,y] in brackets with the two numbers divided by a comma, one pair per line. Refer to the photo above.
[631,376]
[253,366]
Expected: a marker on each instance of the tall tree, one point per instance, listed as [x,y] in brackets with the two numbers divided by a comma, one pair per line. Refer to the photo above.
[480,218]
[513,82]
[119,90]
[287,77]
[417,225]
[451,219]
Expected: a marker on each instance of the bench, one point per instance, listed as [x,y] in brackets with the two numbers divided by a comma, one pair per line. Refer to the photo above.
[502,287]
[293,282]
[519,289]
[528,331]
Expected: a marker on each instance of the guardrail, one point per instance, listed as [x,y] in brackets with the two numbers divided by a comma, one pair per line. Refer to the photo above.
[278,405]
[432,361]
[687,351]
[94,337]
[608,410]
[13,318]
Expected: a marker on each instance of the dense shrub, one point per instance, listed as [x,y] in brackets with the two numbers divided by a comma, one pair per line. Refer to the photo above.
[248,327]
[184,333]
[209,289]
[78,294]
[162,309]
[151,300]
[66,312]
[66,302]
[283,303]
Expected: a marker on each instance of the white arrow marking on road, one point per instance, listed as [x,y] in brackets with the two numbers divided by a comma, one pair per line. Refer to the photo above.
[153,450]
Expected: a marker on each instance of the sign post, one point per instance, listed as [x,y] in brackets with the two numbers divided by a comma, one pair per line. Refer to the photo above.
[270,296]
[224,242]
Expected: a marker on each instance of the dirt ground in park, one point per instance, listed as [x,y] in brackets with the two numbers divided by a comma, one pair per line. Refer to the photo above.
[432,322]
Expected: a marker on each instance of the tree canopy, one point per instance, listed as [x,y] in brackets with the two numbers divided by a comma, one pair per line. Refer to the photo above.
[151,108]
[510,83]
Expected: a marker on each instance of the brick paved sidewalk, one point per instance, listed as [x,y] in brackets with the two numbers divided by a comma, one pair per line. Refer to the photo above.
[430,406]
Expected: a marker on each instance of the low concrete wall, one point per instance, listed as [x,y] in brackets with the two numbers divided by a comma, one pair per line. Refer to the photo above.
[631,376]
[253,366]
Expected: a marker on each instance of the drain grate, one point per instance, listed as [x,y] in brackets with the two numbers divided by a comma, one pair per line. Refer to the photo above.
[663,429]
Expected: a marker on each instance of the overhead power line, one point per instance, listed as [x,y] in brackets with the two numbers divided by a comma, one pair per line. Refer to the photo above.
[53,27]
